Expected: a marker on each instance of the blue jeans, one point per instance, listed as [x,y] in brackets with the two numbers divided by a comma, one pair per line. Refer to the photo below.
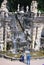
[28,62]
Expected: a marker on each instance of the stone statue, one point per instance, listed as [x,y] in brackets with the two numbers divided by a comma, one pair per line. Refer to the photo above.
[33,7]
[27,8]
[4,8]
[18,8]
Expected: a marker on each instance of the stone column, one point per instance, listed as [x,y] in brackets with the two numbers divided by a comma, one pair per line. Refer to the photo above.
[38,37]
[34,36]
[5,37]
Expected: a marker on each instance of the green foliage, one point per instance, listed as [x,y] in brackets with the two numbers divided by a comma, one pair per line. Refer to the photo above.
[41,5]
[14,3]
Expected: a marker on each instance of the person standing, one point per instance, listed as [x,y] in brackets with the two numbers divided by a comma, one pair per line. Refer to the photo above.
[28,58]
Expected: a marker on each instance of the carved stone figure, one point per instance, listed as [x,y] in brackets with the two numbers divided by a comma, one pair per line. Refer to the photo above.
[34,8]
[4,8]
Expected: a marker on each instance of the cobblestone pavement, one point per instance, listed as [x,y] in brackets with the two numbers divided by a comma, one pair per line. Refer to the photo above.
[32,62]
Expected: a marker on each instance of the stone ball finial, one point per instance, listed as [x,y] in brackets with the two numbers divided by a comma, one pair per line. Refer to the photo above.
[27,8]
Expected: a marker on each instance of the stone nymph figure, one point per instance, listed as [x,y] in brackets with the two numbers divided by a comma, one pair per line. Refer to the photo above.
[4,8]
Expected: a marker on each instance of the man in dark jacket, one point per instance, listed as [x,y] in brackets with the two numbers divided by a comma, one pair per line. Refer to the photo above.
[22,58]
